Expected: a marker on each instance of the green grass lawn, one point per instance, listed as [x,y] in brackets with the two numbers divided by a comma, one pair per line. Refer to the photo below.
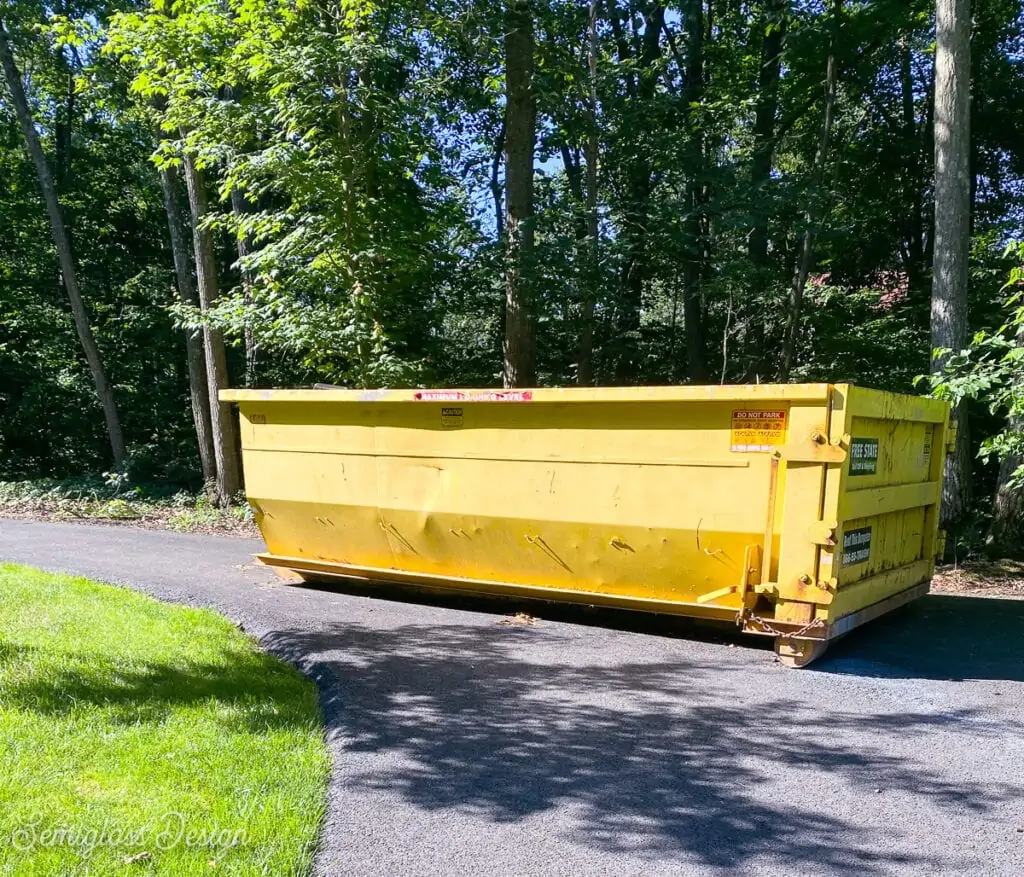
[139,737]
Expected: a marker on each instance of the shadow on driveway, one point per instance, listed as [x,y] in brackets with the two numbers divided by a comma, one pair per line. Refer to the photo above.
[940,636]
[653,759]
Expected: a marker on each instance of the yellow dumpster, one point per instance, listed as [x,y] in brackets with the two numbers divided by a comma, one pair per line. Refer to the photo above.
[796,511]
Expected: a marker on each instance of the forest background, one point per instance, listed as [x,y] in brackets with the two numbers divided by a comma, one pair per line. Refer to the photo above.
[272,193]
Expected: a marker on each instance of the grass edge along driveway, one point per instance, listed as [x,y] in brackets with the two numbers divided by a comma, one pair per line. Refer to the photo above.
[141,737]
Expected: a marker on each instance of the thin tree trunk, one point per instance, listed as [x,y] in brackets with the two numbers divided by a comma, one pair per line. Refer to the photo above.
[238,208]
[952,206]
[585,357]
[693,266]
[633,275]
[520,134]
[1006,534]
[636,217]
[496,193]
[573,163]
[222,419]
[915,229]
[63,244]
[62,134]
[806,253]
[199,393]
[928,166]
[776,18]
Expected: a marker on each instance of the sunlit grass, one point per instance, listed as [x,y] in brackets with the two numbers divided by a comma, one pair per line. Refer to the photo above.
[139,737]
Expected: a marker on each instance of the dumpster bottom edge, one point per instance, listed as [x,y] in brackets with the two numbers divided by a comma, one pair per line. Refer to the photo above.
[329,569]
[323,569]
[844,625]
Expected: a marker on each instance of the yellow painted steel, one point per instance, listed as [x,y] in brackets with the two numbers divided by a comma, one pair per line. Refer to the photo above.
[792,509]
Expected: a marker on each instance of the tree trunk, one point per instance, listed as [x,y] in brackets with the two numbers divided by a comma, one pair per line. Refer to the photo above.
[928,167]
[197,381]
[573,163]
[520,134]
[693,266]
[915,229]
[63,129]
[62,242]
[636,217]
[806,253]
[496,194]
[633,276]
[238,208]
[1006,535]
[222,418]
[952,243]
[585,356]
[776,17]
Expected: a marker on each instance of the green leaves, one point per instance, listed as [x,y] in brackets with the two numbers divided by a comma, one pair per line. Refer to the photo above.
[366,142]
[323,123]
[991,371]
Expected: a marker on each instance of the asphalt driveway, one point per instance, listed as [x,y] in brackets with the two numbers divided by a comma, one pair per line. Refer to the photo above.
[606,744]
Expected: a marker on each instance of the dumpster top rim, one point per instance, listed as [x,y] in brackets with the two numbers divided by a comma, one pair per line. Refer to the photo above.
[713,392]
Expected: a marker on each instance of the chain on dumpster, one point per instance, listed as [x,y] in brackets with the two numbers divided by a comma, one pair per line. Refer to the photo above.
[787,635]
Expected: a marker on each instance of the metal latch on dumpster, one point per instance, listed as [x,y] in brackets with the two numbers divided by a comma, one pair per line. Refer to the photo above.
[747,588]
[823,532]
[815,448]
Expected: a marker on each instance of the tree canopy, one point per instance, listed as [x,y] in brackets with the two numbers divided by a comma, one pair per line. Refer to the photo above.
[718,191]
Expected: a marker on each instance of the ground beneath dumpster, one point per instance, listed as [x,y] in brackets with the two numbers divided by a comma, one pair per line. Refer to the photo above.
[603,743]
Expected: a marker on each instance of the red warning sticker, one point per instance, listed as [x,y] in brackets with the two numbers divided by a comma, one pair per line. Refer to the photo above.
[481,396]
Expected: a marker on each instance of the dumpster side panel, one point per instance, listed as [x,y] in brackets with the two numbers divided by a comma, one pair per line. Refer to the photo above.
[886,496]
[617,500]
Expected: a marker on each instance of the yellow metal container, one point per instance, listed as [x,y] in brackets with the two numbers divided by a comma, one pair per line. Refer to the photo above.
[797,511]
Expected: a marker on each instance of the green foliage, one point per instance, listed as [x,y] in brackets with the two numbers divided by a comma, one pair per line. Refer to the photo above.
[50,424]
[112,497]
[363,144]
[991,371]
[291,106]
